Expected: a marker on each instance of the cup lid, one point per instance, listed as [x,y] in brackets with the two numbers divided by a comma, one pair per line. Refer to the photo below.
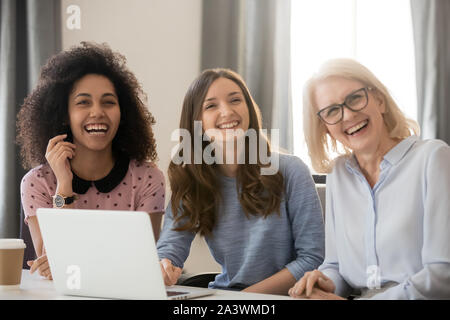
[12,244]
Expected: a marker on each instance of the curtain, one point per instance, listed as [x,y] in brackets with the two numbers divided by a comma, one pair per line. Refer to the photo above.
[431,27]
[29,34]
[252,37]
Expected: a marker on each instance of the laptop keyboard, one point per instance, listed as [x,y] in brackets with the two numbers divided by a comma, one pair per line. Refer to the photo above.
[175,293]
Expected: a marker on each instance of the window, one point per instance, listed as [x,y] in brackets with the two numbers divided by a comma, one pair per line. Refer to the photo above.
[377,33]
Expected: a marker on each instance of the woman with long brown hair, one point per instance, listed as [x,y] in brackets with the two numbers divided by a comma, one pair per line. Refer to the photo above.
[265,230]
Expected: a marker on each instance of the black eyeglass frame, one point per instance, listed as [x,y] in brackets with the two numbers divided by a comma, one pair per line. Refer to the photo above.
[344,104]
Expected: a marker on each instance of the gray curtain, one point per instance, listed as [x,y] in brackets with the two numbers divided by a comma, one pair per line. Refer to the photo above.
[431,26]
[29,34]
[252,37]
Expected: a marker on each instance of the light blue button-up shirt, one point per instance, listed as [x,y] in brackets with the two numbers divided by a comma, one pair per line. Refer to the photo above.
[398,231]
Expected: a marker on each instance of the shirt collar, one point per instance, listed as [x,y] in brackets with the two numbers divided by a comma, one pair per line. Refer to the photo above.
[392,157]
[400,150]
[106,184]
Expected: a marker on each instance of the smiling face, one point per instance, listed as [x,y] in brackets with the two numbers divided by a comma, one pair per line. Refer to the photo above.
[224,108]
[362,131]
[94,113]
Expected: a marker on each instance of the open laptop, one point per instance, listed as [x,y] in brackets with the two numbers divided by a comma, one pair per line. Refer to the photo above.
[106,254]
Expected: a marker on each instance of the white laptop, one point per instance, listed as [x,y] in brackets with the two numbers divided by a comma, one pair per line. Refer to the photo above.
[106,254]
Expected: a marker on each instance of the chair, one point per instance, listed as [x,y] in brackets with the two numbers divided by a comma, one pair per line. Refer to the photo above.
[29,253]
[320,178]
[320,182]
[200,280]
[200,268]
[321,191]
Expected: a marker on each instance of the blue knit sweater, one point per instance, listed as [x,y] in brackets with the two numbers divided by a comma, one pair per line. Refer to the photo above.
[251,249]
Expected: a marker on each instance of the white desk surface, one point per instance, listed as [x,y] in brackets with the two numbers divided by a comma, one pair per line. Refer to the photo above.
[34,287]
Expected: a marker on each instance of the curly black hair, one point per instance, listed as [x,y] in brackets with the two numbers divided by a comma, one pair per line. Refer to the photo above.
[44,113]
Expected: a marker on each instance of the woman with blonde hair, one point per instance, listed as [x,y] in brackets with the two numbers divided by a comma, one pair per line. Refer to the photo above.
[265,230]
[387,204]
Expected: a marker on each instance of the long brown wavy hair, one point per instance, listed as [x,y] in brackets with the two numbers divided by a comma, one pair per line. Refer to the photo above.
[195,188]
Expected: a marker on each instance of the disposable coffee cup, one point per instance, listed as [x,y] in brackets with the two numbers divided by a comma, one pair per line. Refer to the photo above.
[11,260]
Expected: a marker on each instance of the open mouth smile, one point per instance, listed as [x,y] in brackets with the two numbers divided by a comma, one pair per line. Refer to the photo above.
[96,128]
[228,125]
[356,128]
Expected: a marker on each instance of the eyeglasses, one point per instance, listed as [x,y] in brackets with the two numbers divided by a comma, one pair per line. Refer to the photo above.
[355,101]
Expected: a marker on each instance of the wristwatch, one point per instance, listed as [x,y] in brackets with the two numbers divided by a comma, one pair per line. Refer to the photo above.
[60,202]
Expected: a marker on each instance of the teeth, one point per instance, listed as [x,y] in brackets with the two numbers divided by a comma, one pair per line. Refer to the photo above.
[357,127]
[228,125]
[96,127]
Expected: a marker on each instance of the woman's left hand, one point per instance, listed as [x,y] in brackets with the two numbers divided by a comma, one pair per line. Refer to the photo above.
[42,266]
[317,294]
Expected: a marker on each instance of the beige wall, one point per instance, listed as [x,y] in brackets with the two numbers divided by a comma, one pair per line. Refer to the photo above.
[161,40]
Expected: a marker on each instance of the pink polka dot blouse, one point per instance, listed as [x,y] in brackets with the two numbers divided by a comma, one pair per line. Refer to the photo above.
[140,188]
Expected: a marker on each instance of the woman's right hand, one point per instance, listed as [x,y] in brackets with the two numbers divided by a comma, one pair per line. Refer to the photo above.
[310,280]
[58,154]
[170,272]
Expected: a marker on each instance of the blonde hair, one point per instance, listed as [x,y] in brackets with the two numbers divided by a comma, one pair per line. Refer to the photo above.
[320,143]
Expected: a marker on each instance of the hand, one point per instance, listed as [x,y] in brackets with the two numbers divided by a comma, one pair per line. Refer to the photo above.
[58,154]
[170,272]
[318,294]
[42,266]
[309,281]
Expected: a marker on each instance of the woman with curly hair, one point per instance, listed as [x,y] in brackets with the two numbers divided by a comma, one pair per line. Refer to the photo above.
[86,133]
[265,230]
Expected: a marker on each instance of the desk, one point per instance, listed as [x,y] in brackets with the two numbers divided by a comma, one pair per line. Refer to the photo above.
[34,287]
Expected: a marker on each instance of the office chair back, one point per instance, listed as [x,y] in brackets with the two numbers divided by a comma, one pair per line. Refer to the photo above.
[26,236]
